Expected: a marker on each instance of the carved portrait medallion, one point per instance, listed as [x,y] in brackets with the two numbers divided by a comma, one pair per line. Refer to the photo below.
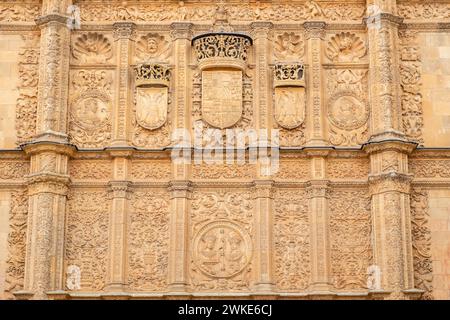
[151,107]
[222,97]
[290,106]
[346,111]
[91,109]
[222,249]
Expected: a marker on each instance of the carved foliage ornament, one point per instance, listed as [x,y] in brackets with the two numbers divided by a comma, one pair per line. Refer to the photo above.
[153,47]
[289,47]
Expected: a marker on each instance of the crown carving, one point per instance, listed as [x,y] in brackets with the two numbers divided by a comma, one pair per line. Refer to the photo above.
[152,75]
[289,75]
[215,50]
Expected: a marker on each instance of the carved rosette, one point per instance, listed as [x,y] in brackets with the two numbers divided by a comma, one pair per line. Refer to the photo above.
[152,105]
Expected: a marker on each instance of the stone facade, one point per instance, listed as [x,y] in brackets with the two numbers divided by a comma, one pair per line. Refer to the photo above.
[92,205]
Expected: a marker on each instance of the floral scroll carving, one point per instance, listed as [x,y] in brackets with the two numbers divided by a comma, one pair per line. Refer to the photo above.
[421,239]
[16,170]
[148,239]
[411,82]
[289,47]
[350,226]
[87,233]
[26,108]
[17,241]
[221,234]
[292,240]
[19,12]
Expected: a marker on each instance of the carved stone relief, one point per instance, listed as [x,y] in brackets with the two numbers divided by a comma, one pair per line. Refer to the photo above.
[87,232]
[346,47]
[14,170]
[26,108]
[154,170]
[350,227]
[92,48]
[90,113]
[289,47]
[430,168]
[18,12]
[148,240]
[91,170]
[17,242]
[221,241]
[292,240]
[348,109]
[153,47]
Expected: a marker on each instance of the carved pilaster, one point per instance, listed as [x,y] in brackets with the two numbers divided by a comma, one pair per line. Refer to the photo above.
[385,101]
[180,193]
[53,72]
[48,186]
[264,194]
[315,34]
[124,33]
[318,193]
[261,32]
[390,184]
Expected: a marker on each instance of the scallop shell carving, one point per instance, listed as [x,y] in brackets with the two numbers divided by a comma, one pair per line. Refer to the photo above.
[92,48]
[346,47]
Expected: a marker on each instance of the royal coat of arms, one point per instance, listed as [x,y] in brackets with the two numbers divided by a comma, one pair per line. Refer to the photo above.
[290,106]
[151,107]
[222,97]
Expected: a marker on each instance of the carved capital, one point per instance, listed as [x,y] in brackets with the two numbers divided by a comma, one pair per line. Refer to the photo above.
[375,20]
[315,29]
[264,189]
[180,189]
[318,189]
[261,29]
[120,189]
[124,30]
[48,183]
[390,182]
[36,148]
[181,30]
[401,146]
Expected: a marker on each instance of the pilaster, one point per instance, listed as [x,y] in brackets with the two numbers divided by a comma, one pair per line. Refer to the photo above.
[124,33]
[180,194]
[120,192]
[261,32]
[390,185]
[318,193]
[315,35]
[264,193]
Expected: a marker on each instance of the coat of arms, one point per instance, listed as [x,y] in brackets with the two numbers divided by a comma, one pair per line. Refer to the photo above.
[290,106]
[151,107]
[222,97]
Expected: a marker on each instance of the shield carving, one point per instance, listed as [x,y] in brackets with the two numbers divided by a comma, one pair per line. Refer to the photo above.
[290,106]
[222,97]
[151,107]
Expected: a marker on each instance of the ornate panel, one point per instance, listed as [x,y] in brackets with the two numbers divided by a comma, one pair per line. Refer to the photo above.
[19,12]
[350,234]
[87,232]
[90,113]
[411,83]
[13,170]
[223,171]
[221,240]
[151,170]
[90,170]
[430,168]
[292,240]
[26,108]
[421,239]
[148,240]
[423,11]
[17,241]
[291,170]
[347,108]
[153,48]
[348,169]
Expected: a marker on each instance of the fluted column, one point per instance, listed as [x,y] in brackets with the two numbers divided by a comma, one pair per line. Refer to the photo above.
[124,33]
[120,190]
[315,34]
[318,190]
[49,154]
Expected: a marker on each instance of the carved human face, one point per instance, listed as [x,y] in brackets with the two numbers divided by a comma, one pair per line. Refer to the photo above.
[210,242]
[152,45]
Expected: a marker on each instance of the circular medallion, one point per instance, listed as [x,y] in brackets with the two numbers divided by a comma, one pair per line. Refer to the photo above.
[221,249]
[91,109]
[346,111]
